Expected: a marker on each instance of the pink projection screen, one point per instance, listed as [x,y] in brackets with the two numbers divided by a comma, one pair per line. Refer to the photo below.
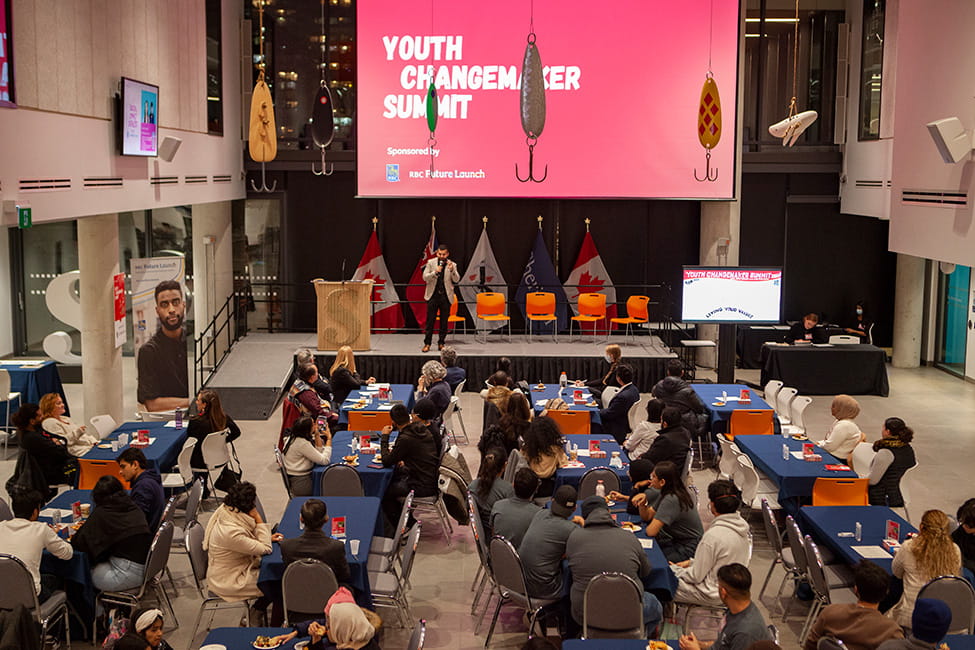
[624,98]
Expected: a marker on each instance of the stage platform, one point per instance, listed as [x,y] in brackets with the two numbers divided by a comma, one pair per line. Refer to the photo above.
[259,368]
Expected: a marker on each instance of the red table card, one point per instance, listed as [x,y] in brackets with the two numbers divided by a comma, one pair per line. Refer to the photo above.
[838,468]
[808,448]
[338,527]
[893,531]
[593,446]
[143,436]
[76,511]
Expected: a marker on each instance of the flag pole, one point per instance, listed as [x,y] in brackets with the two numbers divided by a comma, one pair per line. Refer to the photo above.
[539,222]
[484,219]
[375,220]
[587,223]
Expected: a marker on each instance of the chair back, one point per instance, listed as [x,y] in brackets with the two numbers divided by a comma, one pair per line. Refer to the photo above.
[197,554]
[959,596]
[608,394]
[18,584]
[340,480]
[794,537]
[685,474]
[103,424]
[816,569]
[771,530]
[260,509]
[6,514]
[728,464]
[750,422]
[633,415]
[404,520]
[279,461]
[193,500]
[592,304]
[507,568]
[306,587]
[4,385]
[747,479]
[453,308]
[771,391]
[844,339]
[636,308]
[840,492]
[572,423]
[863,455]
[459,388]
[587,485]
[169,512]
[477,528]
[365,421]
[783,400]
[158,556]
[797,409]
[216,450]
[490,303]
[540,303]
[409,554]
[90,470]
[613,608]
[830,643]
[515,462]
[870,334]
[418,636]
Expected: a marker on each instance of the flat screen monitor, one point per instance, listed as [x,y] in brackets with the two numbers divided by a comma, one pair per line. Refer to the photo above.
[625,104]
[139,116]
[715,294]
[6,60]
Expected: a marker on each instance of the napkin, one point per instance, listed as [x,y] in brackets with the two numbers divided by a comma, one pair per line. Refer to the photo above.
[872,552]
[646,543]
[49,513]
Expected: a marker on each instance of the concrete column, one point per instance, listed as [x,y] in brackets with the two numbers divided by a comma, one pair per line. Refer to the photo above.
[720,222]
[213,266]
[101,364]
[908,311]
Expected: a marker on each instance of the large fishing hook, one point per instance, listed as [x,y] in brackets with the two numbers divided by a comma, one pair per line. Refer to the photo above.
[531,140]
[707,170]
[327,168]
[263,188]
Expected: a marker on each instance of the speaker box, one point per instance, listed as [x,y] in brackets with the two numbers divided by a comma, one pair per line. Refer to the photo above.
[949,136]
[169,147]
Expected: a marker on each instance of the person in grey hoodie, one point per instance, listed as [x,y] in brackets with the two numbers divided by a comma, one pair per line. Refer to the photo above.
[674,391]
[601,546]
[726,541]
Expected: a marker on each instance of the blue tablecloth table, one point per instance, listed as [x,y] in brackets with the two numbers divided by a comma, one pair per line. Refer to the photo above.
[825,523]
[959,641]
[33,380]
[572,475]
[161,454]
[398,392]
[242,638]
[374,480]
[719,417]
[611,644]
[795,477]
[552,390]
[76,571]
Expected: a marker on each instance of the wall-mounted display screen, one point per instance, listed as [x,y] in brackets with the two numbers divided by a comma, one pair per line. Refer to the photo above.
[626,112]
[731,295]
[140,118]
[6,61]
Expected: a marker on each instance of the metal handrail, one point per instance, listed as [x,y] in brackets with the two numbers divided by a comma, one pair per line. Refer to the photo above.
[231,320]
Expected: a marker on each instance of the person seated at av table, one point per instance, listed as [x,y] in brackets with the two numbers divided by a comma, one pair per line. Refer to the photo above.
[305,395]
[807,330]
[860,323]
[964,537]
[455,374]
[543,545]
[930,622]
[744,624]
[511,517]
[54,421]
[860,625]
[612,357]
[315,543]
[49,451]
[544,450]
[145,631]
[308,445]
[210,418]
[616,416]
[639,473]
[726,541]
[344,626]
[305,357]
[26,539]
[669,508]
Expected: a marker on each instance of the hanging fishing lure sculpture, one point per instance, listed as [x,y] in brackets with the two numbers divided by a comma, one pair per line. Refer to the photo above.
[532,106]
[433,106]
[709,125]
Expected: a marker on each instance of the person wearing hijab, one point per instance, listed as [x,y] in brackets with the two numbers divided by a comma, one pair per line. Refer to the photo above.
[145,631]
[345,626]
[844,434]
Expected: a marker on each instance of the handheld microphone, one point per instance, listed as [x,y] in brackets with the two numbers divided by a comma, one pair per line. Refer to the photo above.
[343,270]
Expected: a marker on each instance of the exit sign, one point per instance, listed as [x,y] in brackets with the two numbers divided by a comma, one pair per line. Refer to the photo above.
[24,217]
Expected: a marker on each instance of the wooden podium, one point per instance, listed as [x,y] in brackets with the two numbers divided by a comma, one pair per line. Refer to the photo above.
[344,314]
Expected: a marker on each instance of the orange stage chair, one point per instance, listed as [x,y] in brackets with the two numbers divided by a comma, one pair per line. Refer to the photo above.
[453,317]
[490,307]
[540,306]
[572,423]
[751,422]
[840,492]
[592,309]
[368,420]
[89,471]
[636,313]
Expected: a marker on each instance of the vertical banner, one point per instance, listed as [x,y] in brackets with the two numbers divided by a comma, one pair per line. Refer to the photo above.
[158,315]
[6,60]
[119,284]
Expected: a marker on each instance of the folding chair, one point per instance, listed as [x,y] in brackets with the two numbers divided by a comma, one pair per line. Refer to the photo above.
[572,423]
[216,453]
[6,514]
[612,608]
[435,504]
[90,470]
[183,475]
[279,461]
[305,588]
[198,564]
[783,403]
[830,643]
[783,555]
[6,397]
[18,589]
[418,636]
[840,492]
[483,577]
[389,591]
[959,596]
[823,593]
[750,422]
[454,408]
[339,480]
[728,464]
[755,487]
[512,586]
[771,392]
[384,550]
[587,485]
[796,410]
[863,455]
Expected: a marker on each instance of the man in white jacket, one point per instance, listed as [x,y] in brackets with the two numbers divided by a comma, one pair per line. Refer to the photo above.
[26,539]
[726,541]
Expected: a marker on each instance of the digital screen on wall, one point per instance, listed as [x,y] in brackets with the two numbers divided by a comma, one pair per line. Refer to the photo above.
[6,60]
[140,111]
[731,295]
[625,109]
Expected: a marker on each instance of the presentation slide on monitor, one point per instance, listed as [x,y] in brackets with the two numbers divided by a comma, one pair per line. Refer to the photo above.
[634,96]
[739,295]
[140,105]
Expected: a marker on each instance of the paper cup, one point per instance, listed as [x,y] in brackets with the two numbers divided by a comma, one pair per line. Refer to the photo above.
[354,546]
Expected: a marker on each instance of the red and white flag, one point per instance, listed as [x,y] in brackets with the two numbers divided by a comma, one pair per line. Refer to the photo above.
[387,314]
[589,276]
[414,292]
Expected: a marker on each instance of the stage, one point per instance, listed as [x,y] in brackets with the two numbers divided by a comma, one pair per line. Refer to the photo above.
[259,368]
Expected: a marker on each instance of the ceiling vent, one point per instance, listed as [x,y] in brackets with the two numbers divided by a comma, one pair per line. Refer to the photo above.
[95,182]
[935,198]
[44,184]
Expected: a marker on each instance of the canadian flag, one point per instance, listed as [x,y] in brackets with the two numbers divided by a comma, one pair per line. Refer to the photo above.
[387,314]
[589,276]
[414,292]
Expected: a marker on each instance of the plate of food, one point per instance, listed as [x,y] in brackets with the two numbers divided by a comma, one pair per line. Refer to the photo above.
[265,643]
[351,460]
[630,526]
[799,436]
[105,445]
[540,387]
[657,645]
[717,403]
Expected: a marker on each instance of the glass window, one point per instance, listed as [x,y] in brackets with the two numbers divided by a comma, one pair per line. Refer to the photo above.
[49,249]
[133,241]
[871,69]
[214,67]
[172,234]
[257,258]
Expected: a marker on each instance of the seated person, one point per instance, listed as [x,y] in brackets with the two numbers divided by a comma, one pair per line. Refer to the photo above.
[673,441]
[930,622]
[210,418]
[49,451]
[345,625]
[454,373]
[145,486]
[808,330]
[343,377]
[511,517]
[638,442]
[54,421]
[433,386]
[543,545]
[639,473]
[145,631]
[416,454]
[893,458]
[305,395]
[743,623]
[859,325]
[726,541]
[669,507]
[115,536]
[544,450]
[488,488]
[305,357]
[26,539]
[844,434]
[860,625]
[964,537]
[616,416]
[516,420]
[315,543]
[612,357]
[674,391]
[308,445]
[498,390]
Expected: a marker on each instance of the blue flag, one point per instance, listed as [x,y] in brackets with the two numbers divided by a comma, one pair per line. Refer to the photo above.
[540,275]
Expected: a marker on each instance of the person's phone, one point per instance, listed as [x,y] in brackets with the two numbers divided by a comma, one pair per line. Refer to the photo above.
[321,422]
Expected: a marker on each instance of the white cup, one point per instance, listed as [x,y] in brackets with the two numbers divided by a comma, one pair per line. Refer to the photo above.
[115,445]
[354,546]
[123,439]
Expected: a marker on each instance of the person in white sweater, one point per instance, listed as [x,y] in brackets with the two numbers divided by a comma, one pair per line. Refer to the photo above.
[76,437]
[643,435]
[844,434]
[26,539]
[307,446]
[726,541]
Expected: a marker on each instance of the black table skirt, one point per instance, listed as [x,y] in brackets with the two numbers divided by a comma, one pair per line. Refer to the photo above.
[750,342]
[850,369]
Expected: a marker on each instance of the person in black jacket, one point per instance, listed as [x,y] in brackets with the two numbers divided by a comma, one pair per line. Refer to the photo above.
[615,417]
[676,392]
[49,451]
[115,536]
[145,485]
[343,377]
[417,454]
[315,543]
[672,443]
[807,330]
[612,357]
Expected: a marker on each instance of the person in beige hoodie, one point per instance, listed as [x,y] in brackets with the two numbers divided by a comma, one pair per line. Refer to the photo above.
[236,537]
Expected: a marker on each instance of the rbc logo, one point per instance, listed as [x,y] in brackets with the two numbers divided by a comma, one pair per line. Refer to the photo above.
[392,172]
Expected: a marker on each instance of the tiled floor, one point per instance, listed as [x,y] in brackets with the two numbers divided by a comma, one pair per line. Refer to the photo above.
[939,407]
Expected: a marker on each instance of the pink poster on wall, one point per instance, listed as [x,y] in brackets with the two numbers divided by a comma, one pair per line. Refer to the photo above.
[6,61]
[625,111]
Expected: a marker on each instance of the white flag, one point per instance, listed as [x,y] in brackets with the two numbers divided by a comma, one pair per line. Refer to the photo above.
[482,275]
